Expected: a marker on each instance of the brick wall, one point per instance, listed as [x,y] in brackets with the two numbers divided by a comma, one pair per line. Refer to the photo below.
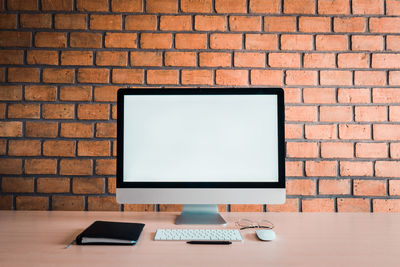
[61,62]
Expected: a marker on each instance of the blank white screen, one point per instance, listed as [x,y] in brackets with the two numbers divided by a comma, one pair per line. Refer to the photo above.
[200,138]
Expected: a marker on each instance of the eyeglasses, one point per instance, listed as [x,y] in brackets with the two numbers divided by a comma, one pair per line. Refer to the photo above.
[247,224]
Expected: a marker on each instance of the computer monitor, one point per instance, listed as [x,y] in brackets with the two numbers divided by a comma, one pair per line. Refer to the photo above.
[200,147]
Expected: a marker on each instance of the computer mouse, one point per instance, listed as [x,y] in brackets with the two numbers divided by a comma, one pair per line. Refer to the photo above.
[265,234]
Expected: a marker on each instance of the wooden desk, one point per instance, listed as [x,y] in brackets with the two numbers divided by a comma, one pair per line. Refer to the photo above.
[303,239]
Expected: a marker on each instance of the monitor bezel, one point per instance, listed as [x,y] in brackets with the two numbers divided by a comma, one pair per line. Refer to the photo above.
[201,91]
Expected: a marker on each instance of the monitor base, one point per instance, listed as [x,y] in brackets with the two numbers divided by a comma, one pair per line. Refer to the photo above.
[200,214]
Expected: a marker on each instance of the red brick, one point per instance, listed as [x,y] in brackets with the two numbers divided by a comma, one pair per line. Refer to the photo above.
[11,57]
[111,58]
[385,61]
[10,92]
[210,23]
[126,6]
[231,77]
[93,111]
[10,165]
[299,7]
[370,78]
[65,5]
[353,60]
[249,59]
[105,22]
[354,168]
[155,40]
[53,185]
[58,111]
[314,24]
[59,148]
[331,42]
[35,20]
[162,77]
[230,6]
[86,40]
[10,129]
[31,203]
[394,187]
[24,147]
[22,5]
[246,207]
[301,113]
[76,167]
[103,203]
[76,130]
[6,201]
[106,130]
[279,24]
[70,21]
[394,113]
[293,131]
[31,111]
[92,5]
[394,77]
[292,95]
[386,132]
[42,57]
[368,6]
[319,60]
[367,42]
[140,58]
[244,23]
[41,129]
[386,95]
[131,76]
[111,188]
[321,131]
[393,43]
[392,7]
[23,75]
[353,205]
[141,22]
[290,205]
[75,93]
[225,41]
[92,75]
[196,6]
[319,95]
[386,205]
[350,95]
[94,148]
[287,60]
[336,77]
[302,149]
[190,41]
[214,59]
[356,24]
[369,114]
[88,185]
[175,23]
[333,7]
[337,150]
[369,188]
[187,59]
[106,167]
[321,168]
[105,93]
[387,169]
[318,205]
[19,39]
[296,42]
[192,77]
[70,203]
[302,187]
[334,187]
[51,39]
[2,116]
[2,74]
[120,40]
[165,6]
[301,77]
[395,150]
[40,166]
[261,41]
[265,6]
[354,131]
[80,58]
[266,77]
[371,150]
[294,168]
[58,75]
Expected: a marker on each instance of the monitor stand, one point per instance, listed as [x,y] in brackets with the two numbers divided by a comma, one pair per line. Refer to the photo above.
[200,214]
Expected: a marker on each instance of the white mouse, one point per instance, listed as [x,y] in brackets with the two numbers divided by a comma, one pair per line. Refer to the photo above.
[265,234]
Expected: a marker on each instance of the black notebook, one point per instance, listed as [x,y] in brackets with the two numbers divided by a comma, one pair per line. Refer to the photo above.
[110,233]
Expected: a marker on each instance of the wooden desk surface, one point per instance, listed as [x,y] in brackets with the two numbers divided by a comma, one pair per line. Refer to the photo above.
[303,239]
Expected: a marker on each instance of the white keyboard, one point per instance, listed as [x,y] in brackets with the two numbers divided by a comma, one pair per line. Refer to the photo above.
[198,234]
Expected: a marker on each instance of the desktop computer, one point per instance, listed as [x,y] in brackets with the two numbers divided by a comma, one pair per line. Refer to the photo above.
[201,147]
